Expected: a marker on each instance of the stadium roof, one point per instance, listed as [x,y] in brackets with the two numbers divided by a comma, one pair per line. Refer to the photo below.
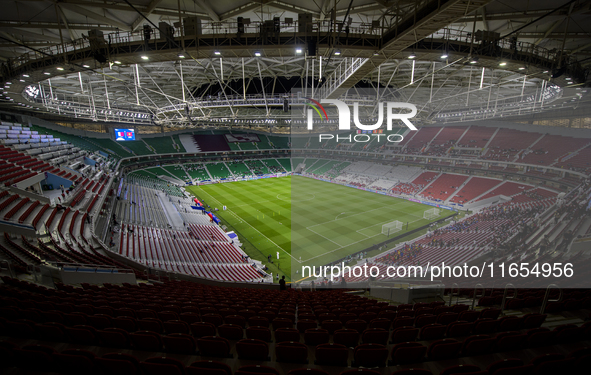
[456,60]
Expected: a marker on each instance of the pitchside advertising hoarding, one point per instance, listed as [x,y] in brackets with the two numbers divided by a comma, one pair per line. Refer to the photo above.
[368,235]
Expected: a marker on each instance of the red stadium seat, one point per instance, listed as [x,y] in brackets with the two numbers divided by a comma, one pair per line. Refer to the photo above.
[287,334]
[404,334]
[208,368]
[213,346]
[444,349]
[408,352]
[432,332]
[179,343]
[114,337]
[316,336]
[347,337]
[460,369]
[307,371]
[162,366]
[200,329]
[231,331]
[477,345]
[252,349]
[508,341]
[259,333]
[412,371]
[304,324]
[293,352]
[370,355]
[146,340]
[332,355]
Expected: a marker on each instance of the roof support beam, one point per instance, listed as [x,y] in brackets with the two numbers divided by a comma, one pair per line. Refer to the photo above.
[293,8]
[203,4]
[54,26]
[484,21]
[73,35]
[578,49]
[49,38]
[243,9]
[95,16]
[324,9]
[149,9]
[554,25]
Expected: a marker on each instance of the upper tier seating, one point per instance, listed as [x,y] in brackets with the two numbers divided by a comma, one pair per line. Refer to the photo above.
[548,149]
[443,187]
[474,187]
[416,185]
[476,137]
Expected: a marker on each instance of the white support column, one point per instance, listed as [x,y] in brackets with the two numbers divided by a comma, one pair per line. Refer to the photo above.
[243,81]
[312,88]
[136,84]
[482,78]
[80,79]
[469,84]
[378,88]
[182,81]
[432,82]
[106,90]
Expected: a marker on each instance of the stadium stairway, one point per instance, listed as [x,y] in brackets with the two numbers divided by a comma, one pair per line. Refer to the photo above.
[429,184]
[500,182]
[458,190]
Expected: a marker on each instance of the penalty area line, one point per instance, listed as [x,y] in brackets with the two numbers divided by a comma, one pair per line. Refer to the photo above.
[258,231]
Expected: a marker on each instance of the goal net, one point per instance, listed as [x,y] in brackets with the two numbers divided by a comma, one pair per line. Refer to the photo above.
[391,228]
[431,213]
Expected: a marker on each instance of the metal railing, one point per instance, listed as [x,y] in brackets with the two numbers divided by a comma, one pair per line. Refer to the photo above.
[342,72]
[253,29]
[96,268]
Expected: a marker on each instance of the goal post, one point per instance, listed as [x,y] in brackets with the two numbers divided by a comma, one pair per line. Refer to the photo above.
[431,214]
[393,227]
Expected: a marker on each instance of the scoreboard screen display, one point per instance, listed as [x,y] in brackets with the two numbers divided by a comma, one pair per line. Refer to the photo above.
[124,134]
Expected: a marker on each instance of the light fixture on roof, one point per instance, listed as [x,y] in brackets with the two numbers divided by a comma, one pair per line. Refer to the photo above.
[521,68]
[545,71]
[217,53]
[376,53]
[473,60]
[144,57]
[412,55]
[568,78]
[444,55]
[22,80]
[47,73]
[86,66]
[298,50]
[26,75]
[337,53]
[257,54]
[117,62]
[503,63]
[59,68]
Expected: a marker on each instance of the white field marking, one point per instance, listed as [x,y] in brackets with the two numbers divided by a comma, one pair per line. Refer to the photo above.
[352,243]
[336,217]
[247,223]
[336,243]
[365,212]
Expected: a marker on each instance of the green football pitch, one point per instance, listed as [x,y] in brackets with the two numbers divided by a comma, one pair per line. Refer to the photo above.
[308,222]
